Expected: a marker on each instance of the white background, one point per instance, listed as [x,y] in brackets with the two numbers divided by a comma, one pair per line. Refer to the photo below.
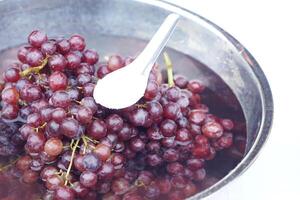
[270,30]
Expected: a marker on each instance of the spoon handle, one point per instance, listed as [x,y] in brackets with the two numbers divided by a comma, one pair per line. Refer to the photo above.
[150,54]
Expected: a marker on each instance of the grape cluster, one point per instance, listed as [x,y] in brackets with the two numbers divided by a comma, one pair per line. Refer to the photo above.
[155,149]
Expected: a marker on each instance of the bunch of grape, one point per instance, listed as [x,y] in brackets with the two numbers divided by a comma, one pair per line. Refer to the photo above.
[155,149]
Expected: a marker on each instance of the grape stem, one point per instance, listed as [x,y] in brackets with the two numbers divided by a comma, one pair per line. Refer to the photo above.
[169,66]
[90,139]
[2,168]
[40,127]
[71,161]
[139,183]
[36,70]
[141,105]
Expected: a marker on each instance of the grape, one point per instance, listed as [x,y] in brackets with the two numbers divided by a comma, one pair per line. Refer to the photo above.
[47,172]
[31,93]
[37,165]
[26,130]
[90,103]
[154,160]
[195,86]
[136,144]
[23,163]
[120,186]
[46,113]
[125,133]
[178,181]
[37,38]
[173,93]
[164,185]
[196,116]
[77,43]
[139,117]
[21,83]
[171,111]
[227,124]
[73,60]
[22,53]
[102,71]
[57,62]
[53,147]
[155,110]
[85,68]
[117,160]
[225,141]
[53,182]
[151,90]
[34,119]
[70,128]
[97,129]
[90,56]
[60,99]
[114,122]
[212,130]
[78,163]
[35,142]
[190,189]
[153,146]
[180,81]
[91,162]
[175,168]
[52,129]
[183,135]
[58,114]
[73,93]
[103,187]
[12,75]
[48,48]
[183,122]
[145,177]
[84,115]
[168,142]
[194,129]
[30,176]
[64,193]
[79,189]
[154,133]
[106,171]
[130,175]
[168,127]
[88,89]
[152,192]
[10,96]
[63,46]
[10,111]
[34,57]
[115,62]
[199,174]
[171,155]
[58,81]
[88,179]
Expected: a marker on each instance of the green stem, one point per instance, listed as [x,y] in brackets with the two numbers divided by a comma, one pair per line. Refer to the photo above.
[71,161]
[169,66]
[34,69]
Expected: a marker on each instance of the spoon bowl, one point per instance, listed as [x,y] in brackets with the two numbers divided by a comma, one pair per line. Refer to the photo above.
[124,87]
[120,89]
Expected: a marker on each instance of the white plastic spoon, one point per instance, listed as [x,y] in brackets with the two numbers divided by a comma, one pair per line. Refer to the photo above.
[125,86]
